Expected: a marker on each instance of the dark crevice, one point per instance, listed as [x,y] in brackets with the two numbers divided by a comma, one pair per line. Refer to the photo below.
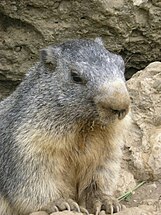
[130,72]
[83,17]
[132,68]
[9,83]
[7,87]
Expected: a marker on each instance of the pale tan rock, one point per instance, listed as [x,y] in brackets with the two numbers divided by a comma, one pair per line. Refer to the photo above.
[126,182]
[138,211]
[144,138]
[66,213]
[139,2]
[39,213]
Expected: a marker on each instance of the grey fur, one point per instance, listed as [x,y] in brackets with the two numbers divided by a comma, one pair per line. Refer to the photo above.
[50,101]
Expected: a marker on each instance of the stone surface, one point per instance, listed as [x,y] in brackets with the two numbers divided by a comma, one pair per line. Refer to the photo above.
[57,213]
[129,27]
[144,141]
[39,213]
[126,182]
[67,213]
[145,210]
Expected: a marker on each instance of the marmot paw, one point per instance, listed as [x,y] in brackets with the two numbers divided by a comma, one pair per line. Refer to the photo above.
[64,204]
[109,204]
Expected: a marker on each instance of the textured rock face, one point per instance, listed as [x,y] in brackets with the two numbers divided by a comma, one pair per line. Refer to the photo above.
[144,141]
[142,152]
[129,27]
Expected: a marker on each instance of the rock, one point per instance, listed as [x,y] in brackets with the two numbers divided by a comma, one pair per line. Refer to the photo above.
[128,27]
[67,213]
[139,2]
[39,213]
[6,87]
[56,213]
[126,182]
[144,139]
[138,211]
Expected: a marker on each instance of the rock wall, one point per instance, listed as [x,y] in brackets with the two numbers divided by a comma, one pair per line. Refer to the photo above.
[142,149]
[144,140]
[129,27]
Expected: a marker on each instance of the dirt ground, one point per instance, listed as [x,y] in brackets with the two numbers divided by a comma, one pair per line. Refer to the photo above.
[150,190]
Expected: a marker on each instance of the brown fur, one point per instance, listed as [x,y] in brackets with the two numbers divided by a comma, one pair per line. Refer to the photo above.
[70,168]
[5,207]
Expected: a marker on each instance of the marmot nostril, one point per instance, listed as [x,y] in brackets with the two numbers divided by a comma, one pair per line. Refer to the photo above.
[118,111]
[121,113]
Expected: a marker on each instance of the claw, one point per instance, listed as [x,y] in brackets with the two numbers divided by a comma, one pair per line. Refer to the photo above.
[83,210]
[111,207]
[123,207]
[117,208]
[98,209]
[98,206]
[64,204]
[56,208]
[67,206]
[77,207]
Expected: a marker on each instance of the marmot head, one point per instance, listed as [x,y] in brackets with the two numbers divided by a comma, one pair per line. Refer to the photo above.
[87,82]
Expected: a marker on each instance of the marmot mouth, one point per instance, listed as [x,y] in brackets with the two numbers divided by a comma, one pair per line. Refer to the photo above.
[107,116]
[104,116]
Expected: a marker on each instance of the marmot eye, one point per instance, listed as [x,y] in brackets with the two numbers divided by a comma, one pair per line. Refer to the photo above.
[76,78]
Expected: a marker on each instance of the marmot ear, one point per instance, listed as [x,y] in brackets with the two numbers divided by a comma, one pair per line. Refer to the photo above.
[99,41]
[50,55]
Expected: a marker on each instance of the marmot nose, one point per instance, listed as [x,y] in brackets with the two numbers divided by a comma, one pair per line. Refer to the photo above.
[113,99]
